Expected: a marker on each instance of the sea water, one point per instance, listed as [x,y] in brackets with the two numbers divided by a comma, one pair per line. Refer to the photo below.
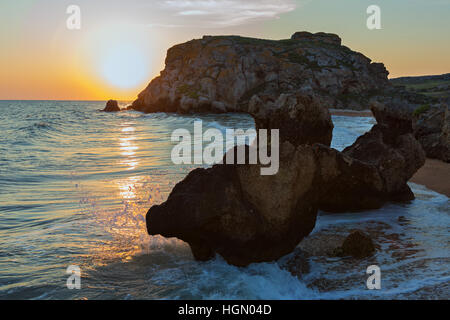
[76,183]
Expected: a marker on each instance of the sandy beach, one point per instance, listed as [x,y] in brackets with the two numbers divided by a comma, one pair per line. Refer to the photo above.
[435,175]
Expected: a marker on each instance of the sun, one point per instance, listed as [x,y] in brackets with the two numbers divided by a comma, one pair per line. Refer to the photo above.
[120,56]
[125,66]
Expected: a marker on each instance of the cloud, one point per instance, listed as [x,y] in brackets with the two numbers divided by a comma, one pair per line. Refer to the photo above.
[223,13]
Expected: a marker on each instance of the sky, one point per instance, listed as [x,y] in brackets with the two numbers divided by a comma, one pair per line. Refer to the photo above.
[121,45]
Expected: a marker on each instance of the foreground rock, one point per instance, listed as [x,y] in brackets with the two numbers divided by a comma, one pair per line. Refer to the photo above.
[222,74]
[112,106]
[392,148]
[245,217]
[242,215]
[239,214]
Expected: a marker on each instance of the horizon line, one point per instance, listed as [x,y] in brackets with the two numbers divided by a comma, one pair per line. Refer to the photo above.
[80,100]
[133,99]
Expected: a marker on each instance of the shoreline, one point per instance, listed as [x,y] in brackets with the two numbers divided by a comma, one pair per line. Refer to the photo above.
[351,113]
[435,175]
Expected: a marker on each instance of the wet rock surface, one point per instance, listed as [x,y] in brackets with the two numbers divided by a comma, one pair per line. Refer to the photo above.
[234,211]
[297,263]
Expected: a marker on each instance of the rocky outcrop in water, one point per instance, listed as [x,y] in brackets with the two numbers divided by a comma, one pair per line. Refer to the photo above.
[234,211]
[242,215]
[301,119]
[357,245]
[392,148]
[372,171]
[112,106]
[223,73]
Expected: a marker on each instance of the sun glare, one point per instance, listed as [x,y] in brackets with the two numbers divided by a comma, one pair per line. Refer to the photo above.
[121,56]
[125,66]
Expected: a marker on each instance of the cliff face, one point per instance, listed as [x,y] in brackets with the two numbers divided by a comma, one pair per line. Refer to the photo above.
[432,129]
[222,74]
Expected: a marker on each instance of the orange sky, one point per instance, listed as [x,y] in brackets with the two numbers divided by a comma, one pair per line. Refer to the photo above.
[41,59]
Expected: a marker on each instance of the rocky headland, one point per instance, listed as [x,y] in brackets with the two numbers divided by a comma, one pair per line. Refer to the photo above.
[218,74]
[222,74]
[290,85]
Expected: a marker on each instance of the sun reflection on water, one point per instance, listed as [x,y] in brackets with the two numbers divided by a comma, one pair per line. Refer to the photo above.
[125,226]
[128,187]
[128,129]
[128,148]
[127,197]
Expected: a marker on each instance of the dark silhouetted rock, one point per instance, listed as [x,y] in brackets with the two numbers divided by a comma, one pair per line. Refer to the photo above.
[392,148]
[347,184]
[112,106]
[358,245]
[234,211]
[371,172]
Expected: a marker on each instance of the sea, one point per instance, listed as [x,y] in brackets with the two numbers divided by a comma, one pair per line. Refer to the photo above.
[76,183]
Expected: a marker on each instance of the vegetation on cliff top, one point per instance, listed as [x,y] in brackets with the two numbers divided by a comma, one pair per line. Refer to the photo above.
[432,86]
